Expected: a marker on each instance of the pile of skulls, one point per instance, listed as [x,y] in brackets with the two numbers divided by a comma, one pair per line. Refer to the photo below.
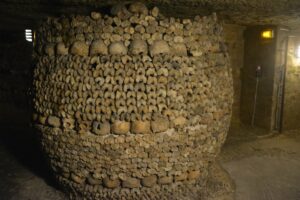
[131,102]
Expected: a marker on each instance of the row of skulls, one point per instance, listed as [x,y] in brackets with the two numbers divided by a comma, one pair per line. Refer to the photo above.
[98,47]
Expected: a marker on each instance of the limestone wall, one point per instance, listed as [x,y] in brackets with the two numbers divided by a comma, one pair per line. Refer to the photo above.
[133,105]
[234,38]
[291,112]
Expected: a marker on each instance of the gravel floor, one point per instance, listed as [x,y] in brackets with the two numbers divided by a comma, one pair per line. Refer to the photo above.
[263,169]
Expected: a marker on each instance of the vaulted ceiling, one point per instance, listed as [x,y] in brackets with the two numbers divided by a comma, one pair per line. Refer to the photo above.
[19,14]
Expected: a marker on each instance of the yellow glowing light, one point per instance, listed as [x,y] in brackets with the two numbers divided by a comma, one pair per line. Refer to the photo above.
[267,34]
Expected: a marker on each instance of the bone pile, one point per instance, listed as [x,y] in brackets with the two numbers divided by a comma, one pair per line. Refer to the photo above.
[131,105]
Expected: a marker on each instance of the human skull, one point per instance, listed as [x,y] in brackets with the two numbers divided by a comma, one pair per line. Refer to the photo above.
[159,47]
[49,49]
[138,47]
[117,48]
[139,8]
[61,49]
[95,15]
[79,48]
[196,52]
[120,127]
[140,127]
[155,12]
[179,49]
[98,47]
[120,11]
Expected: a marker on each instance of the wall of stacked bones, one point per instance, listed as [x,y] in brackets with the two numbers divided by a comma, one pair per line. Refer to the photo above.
[132,104]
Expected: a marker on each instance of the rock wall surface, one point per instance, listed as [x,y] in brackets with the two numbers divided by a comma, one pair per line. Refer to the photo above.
[291,96]
[133,105]
[21,13]
[234,38]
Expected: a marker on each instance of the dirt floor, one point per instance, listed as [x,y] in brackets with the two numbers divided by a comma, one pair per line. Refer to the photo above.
[263,166]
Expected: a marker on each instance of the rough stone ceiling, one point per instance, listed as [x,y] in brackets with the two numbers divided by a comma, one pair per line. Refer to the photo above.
[15,14]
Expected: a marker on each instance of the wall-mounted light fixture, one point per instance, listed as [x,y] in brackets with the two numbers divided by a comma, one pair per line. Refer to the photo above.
[28,35]
[267,34]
